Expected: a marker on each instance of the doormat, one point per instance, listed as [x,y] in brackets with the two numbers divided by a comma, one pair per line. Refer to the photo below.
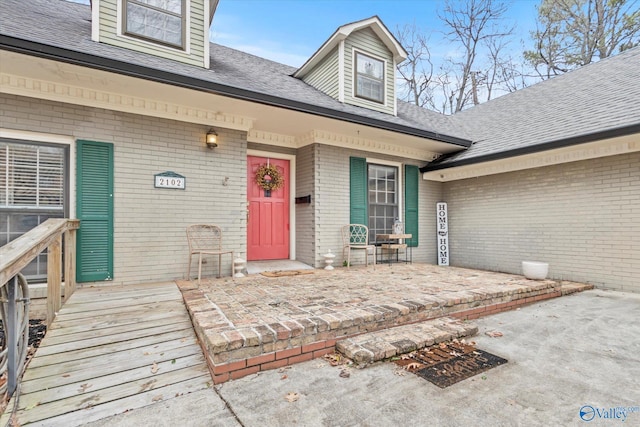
[285,273]
[447,364]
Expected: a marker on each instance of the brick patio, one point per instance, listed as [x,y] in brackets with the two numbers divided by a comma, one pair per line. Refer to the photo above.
[257,323]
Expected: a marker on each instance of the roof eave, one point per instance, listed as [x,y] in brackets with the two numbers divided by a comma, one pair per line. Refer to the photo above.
[40,50]
[213,5]
[560,143]
[399,54]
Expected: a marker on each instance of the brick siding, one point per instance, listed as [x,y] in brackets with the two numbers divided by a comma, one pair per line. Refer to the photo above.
[149,223]
[583,218]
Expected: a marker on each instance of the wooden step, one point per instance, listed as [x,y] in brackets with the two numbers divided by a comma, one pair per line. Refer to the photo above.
[375,346]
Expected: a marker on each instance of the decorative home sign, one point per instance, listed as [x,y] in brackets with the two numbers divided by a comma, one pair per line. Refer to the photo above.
[443,233]
[171,180]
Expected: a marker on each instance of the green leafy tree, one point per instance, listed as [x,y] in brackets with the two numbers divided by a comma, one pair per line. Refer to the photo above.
[573,33]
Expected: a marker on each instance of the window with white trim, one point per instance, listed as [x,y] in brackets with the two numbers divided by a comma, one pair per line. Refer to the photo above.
[32,190]
[377,191]
[382,190]
[161,21]
[369,77]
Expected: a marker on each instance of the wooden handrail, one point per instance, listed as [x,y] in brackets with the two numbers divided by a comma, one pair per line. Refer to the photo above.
[18,253]
[15,256]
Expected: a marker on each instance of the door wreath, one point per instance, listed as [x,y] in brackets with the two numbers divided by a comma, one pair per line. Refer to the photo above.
[269,178]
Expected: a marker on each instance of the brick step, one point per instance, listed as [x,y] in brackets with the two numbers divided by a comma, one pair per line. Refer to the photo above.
[233,352]
[375,346]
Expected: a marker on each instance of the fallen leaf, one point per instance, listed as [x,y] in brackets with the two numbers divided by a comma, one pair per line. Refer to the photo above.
[494,334]
[413,365]
[284,377]
[146,353]
[334,359]
[344,373]
[154,368]
[173,361]
[442,345]
[66,375]
[291,396]
[157,398]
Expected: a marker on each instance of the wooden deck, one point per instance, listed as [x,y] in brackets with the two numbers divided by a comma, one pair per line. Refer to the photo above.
[109,350]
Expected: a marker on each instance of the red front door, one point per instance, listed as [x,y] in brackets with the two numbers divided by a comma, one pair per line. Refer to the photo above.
[268,221]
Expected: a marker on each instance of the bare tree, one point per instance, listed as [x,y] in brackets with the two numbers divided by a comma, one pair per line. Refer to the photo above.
[504,73]
[417,70]
[472,25]
[573,33]
[480,68]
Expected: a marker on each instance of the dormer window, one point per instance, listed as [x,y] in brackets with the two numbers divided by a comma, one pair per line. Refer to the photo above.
[160,21]
[369,77]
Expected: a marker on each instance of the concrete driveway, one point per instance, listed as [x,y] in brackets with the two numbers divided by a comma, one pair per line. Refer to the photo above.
[573,360]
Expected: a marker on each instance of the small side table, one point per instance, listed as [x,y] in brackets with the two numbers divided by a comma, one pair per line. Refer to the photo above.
[393,243]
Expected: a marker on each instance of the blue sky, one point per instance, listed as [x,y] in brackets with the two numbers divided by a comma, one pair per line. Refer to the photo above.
[290,31]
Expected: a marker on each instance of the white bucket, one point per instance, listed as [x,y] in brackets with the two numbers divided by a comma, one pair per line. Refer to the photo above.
[535,270]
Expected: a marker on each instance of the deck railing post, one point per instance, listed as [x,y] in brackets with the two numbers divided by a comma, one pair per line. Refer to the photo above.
[12,335]
[69,263]
[54,276]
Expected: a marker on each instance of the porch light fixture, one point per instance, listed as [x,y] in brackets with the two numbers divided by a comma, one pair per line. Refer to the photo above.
[212,139]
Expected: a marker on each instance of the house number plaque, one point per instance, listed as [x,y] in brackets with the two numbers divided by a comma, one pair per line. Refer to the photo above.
[170,180]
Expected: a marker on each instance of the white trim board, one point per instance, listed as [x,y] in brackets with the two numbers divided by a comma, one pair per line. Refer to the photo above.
[51,138]
[592,150]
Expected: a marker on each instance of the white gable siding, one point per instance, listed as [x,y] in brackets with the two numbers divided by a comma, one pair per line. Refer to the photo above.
[368,43]
[324,76]
[196,37]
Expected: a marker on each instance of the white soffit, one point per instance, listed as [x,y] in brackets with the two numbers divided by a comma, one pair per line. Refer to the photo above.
[592,150]
[24,75]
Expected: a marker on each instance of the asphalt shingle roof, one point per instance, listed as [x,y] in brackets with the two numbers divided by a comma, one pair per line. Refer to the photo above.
[597,97]
[594,98]
[68,26]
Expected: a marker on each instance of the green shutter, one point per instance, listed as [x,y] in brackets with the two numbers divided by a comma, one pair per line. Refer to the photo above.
[94,196]
[411,180]
[358,191]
